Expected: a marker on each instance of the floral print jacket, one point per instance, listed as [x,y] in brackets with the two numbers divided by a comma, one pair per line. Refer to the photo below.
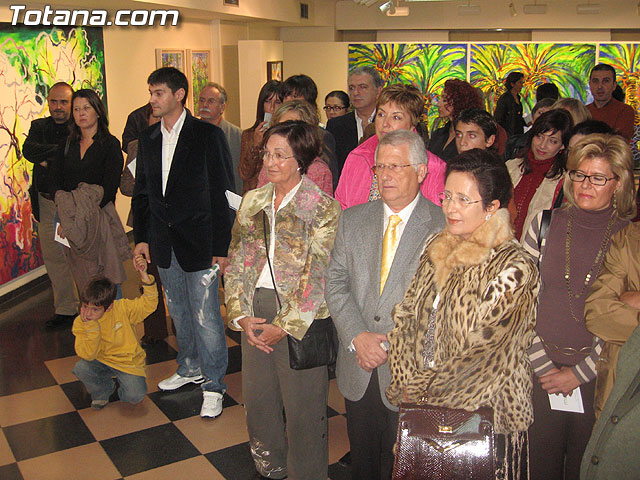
[305,230]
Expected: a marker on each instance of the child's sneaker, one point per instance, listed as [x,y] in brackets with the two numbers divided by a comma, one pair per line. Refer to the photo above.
[99,404]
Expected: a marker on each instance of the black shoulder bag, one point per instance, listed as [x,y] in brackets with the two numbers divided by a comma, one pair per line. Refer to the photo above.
[319,346]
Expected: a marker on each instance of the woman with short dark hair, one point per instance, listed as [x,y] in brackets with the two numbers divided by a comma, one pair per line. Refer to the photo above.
[336,104]
[274,287]
[467,318]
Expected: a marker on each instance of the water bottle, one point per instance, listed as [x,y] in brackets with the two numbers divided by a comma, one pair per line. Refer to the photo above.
[209,277]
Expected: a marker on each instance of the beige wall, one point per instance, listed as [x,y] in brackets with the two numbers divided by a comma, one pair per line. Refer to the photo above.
[253,56]
[325,62]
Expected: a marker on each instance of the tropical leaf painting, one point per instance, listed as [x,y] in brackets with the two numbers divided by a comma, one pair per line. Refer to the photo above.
[625,58]
[566,65]
[31,60]
[426,66]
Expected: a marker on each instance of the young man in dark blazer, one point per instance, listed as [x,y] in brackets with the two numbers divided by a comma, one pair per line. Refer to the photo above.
[182,221]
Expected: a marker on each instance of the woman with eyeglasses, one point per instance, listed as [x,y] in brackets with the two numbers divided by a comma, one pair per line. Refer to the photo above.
[274,286]
[320,171]
[399,107]
[84,182]
[467,318]
[336,104]
[599,192]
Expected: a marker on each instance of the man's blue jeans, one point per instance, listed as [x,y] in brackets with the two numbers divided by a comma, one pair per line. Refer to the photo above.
[195,310]
[98,380]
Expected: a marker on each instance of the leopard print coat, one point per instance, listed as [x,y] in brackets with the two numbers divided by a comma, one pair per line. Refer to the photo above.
[485,322]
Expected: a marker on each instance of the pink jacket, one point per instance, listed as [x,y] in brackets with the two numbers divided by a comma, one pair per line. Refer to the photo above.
[318,172]
[356,177]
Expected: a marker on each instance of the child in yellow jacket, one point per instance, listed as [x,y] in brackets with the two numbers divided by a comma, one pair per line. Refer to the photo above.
[106,340]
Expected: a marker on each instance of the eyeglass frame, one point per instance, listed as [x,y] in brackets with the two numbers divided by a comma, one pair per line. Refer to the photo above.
[572,173]
[442,197]
[392,168]
[265,153]
[336,108]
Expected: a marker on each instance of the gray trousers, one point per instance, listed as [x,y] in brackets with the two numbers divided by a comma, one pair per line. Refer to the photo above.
[65,294]
[297,448]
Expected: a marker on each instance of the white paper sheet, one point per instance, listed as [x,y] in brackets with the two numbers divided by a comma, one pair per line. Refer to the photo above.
[58,238]
[570,403]
[233,199]
[132,167]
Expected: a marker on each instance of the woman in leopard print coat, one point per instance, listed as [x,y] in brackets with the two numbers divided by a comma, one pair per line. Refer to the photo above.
[476,288]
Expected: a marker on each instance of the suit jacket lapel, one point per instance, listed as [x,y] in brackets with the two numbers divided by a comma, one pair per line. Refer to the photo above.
[373,231]
[154,160]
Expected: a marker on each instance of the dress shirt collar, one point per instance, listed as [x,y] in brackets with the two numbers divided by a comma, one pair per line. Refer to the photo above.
[404,214]
[177,127]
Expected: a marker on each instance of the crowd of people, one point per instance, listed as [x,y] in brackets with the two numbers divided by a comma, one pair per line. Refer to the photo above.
[491,262]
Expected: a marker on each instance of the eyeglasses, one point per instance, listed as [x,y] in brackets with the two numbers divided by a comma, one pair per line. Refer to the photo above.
[279,157]
[597,180]
[381,167]
[460,200]
[329,108]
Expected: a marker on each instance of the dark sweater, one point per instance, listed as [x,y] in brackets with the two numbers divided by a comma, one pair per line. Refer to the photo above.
[101,165]
[555,324]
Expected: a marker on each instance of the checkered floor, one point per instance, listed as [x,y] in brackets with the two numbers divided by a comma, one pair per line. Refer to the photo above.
[49,431]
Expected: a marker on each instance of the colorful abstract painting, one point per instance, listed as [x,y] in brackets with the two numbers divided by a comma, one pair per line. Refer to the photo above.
[426,66]
[168,57]
[625,58]
[566,65]
[200,73]
[32,59]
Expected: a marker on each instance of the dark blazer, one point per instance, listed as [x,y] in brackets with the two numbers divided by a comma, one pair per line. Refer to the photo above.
[193,217]
[352,283]
[345,132]
[508,114]
[41,145]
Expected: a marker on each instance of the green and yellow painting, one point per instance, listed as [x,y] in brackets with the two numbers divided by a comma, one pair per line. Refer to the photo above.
[32,59]
[485,65]
[426,66]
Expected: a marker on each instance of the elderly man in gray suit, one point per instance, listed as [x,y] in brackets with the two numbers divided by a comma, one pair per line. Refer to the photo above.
[375,255]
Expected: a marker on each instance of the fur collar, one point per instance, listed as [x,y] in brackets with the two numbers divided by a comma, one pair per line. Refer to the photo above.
[448,251]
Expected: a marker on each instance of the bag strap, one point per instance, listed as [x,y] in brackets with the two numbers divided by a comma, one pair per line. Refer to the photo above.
[266,244]
[544,227]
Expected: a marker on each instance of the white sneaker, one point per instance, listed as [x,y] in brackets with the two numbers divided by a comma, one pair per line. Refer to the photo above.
[211,405]
[176,381]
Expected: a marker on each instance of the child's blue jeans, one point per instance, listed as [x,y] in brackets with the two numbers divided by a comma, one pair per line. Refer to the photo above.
[98,380]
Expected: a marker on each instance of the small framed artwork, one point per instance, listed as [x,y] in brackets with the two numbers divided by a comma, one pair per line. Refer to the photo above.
[235,3]
[274,70]
[171,57]
[200,72]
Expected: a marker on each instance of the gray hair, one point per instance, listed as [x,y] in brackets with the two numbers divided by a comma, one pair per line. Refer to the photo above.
[220,88]
[417,151]
[372,72]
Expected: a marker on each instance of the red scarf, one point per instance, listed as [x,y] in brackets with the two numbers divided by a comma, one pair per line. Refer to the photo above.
[527,188]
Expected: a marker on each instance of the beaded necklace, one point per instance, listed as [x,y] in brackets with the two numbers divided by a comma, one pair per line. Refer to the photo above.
[595,267]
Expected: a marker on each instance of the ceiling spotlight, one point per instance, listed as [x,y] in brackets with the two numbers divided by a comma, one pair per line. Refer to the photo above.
[398,12]
[385,7]
[512,10]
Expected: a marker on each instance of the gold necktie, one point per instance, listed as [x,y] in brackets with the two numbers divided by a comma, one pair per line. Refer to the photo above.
[389,245]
